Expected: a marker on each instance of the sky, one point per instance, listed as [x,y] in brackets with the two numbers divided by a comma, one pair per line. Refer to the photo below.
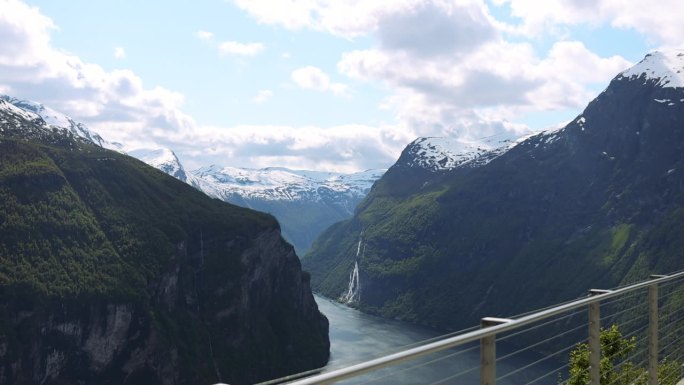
[319,84]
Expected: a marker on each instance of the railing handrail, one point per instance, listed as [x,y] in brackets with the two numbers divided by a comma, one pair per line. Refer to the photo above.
[461,339]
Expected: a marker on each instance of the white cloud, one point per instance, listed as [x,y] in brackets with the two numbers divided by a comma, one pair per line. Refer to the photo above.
[119,53]
[243,49]
[262,96]
[449,69]
[498,79]
[231,47]
[342,148]
[204,35]
[313,78]
[115,103]
[351,18]
[661,22]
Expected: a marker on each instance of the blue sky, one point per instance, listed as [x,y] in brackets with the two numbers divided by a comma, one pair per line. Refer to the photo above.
[318,84]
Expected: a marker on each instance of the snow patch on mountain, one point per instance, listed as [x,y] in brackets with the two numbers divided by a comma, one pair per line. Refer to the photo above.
[442,154]
[13,110]
[277,183]
[665,68]
[56,119]
[163,159]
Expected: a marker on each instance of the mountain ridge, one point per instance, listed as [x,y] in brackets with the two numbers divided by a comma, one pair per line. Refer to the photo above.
[306,202]
[113,272]
[588,205]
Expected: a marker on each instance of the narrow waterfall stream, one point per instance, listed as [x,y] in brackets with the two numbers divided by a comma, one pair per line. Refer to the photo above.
[353,294]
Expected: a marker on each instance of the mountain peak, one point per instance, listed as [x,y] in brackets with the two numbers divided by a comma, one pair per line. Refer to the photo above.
[163,159]
[56,119]
[442,154]
[665,68]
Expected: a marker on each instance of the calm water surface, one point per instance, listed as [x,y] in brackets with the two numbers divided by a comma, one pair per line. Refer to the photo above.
[357,337]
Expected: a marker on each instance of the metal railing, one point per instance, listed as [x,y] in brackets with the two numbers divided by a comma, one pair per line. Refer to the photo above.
[491,327]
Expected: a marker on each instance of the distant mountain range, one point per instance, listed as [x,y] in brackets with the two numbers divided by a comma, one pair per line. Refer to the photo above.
[447,237]
[304,202]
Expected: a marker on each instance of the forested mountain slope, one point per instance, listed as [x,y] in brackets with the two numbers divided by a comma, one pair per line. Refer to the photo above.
[112,272]
[594,204]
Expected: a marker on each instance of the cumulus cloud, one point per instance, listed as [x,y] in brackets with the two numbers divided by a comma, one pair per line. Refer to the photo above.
[262,96]
[242,49]
[313,78]
[502,79]
[661,22]
[447,65]
[115,102]
[342,148]
[453,72]
[117,105]
[435,29]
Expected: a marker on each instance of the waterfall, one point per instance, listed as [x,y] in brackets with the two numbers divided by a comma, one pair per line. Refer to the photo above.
[353,293]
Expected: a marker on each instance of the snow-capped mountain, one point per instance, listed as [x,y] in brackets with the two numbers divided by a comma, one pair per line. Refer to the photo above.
[164,159]
[664,69]
[58,120]
[547,212]
[305,202]
[277,183]
[442,154]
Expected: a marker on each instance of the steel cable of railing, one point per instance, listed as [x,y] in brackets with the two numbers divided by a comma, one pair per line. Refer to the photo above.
[457,375]
[636,342]
[672,328]
[541,342]
[626,361]
[616,314]
[675,332]
[610,299]
[671,352]
[422,364]
[548,356]
[677,371]
[555,371]
[674,280]
[664,348]
[629,322]
[535,327]
[666,328]
[624,374]
[671,315]
[629,296]
[669,376]
[413,344]
[676,352]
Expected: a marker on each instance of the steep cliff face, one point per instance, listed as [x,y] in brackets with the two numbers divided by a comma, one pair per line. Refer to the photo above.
[112,272]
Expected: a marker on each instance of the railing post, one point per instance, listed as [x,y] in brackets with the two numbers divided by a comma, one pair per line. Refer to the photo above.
[488,352]
[653,332]
[595,339]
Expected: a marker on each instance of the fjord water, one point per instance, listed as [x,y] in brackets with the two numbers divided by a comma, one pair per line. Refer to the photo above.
[356,337]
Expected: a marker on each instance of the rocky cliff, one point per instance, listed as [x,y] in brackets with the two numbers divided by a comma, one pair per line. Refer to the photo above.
[112,272]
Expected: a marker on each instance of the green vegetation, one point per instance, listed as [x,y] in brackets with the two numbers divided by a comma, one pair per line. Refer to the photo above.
[100,224]
[84,230]
[540,224]
[614,368]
